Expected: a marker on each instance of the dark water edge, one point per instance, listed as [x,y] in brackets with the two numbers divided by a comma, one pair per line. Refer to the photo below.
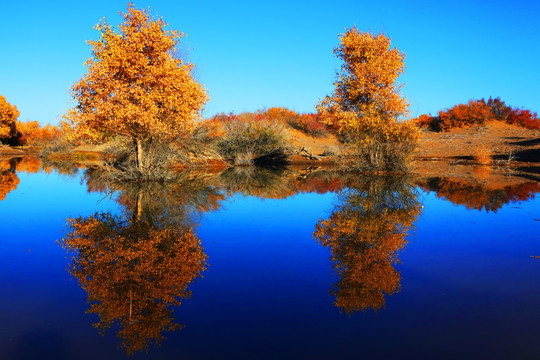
[257,263]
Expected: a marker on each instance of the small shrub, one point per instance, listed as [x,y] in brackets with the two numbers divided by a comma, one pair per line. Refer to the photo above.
[245,140]
[524,118]
[483,156]
[386,149]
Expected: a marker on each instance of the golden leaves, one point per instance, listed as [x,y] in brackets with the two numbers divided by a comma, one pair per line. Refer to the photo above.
[366,103]
[8,116]
[135,86]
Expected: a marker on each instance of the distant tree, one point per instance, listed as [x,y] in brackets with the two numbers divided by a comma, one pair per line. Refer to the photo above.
[8,117]
[33,133]
[366,102]
[136,85]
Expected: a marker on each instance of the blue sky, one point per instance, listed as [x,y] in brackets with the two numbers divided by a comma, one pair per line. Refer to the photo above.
[255,54]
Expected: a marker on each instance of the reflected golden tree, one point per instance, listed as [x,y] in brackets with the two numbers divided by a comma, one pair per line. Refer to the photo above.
[365,234]
[137,266]
[28,164]
[8,177]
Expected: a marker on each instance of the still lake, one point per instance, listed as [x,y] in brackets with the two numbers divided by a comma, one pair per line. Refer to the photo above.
[267,264]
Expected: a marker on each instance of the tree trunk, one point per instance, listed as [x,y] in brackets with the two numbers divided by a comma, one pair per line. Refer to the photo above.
[139,205]
[140,162]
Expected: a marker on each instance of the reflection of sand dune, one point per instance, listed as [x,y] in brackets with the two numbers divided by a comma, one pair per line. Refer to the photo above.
[365,234]
[478,196]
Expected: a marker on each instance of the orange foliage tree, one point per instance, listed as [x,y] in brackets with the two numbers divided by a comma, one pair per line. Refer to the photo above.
[8,117]
[365,234]
[136,86]
[32,133]
[366,103]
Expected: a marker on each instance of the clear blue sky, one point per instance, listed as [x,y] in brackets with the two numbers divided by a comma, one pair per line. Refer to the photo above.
[255,54]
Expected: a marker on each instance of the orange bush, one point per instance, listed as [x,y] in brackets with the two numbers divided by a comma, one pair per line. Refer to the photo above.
[33,133]
[463,115]
[524,118]
[307,123]
[478,112]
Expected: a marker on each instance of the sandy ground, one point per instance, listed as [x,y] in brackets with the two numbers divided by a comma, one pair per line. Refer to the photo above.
[496,139]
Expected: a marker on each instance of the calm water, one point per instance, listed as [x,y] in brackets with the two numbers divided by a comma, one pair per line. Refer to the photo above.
[267,265]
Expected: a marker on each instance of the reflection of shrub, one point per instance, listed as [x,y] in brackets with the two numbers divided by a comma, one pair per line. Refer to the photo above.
[478,112]
[246,141]
[263,182]
[478,196]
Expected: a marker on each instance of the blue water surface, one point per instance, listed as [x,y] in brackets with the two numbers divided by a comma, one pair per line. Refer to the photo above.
[469,286]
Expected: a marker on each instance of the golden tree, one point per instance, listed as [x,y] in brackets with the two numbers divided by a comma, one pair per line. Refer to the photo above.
[8,116]
[366,103]
[136,85]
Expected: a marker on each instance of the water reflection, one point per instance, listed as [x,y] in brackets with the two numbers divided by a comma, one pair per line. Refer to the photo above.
[8,177]
[365,233]
[137,266]
[488,196]
[9,167]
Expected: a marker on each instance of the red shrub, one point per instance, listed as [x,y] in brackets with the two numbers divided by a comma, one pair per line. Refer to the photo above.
[478,112]
[524,118]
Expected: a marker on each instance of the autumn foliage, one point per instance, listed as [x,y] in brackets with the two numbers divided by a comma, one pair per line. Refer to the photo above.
[478,112]
[34,134]
[136,86]
[365,234]
[8,117]
[307,123]
[366,103]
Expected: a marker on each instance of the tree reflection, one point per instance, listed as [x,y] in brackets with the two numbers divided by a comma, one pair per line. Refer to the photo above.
[137,266]
[8,178]
[478,196]
[9,167]
[364,234]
